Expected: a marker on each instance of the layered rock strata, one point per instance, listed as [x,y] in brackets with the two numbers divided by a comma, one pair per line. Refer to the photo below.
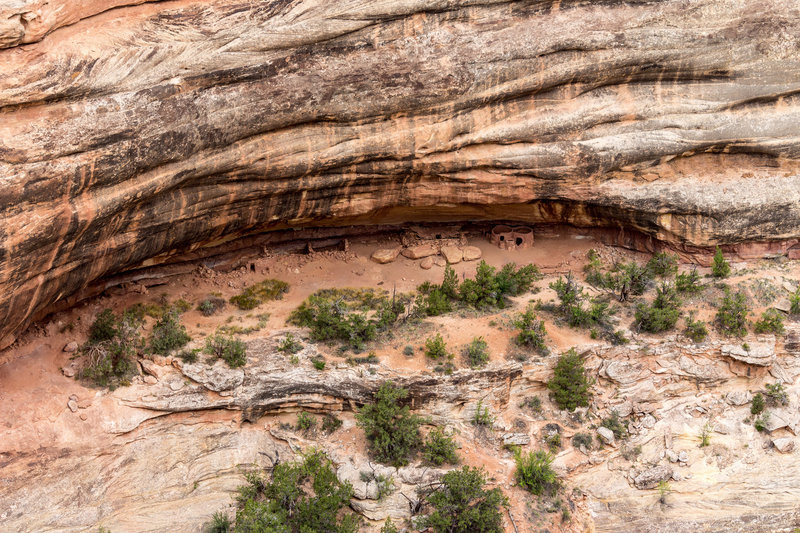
[130,133]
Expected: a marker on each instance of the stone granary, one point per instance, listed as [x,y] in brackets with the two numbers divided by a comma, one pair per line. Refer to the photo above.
[509,238]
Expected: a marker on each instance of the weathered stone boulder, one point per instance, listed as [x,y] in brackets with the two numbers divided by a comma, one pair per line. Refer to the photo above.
[420,251]
[758,354]
[385,255]
[650,478]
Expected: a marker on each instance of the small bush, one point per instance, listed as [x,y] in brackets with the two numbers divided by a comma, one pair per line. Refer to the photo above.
[436,348]
[319,364]
[220,523]
[771,321]
[663,265]
[688,282]
[534,472]
[482,416]
[572,305]
[348,315]
[616,425]
[582,439]
[695,330]
[104,327]
[757,405]
[476,352]
[252,297]
[776,394]
[461,504]
[110,359]
[301,496]
[439,448]
[189,356]
[794,302]
[662,314]
[330,423]
[732,314]
[229,349]
[388,526]
[491,288]
[531,330]
[305,422]
[705,435]
[408,351]
[211,306]
[761,422]
[391,430]
[553,441]
[569,384]
[720,268]
[289,345]
[168,334]
[534,403]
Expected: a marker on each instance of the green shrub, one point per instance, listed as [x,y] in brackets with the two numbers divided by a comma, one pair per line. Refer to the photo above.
[572,306]
[688,282]
[776,394]
[553,441]
[104,327]
[302,496]
[794,302]
[408,351]
[348,315]
[189,356]
[449,286]
[569,384]
[491,288]
[695,330]
[482,416]
[388,526]
[289,345]
[705,435]
[391,430]
[582,439]
[761,422]
[318,363]
[531,330]
[662,314]
[220,523]
[305,422]
[168,334]
[109,360]
[211,305]
[757,405]
[623,280]
[252,297]
[476,352]
[534,472]
[436,348]
[732,314]
[771,321]
[439,448]
[616,425]
[720,268]
[330,423]
[534,403]
[663,265]
[229,349]
[461,504]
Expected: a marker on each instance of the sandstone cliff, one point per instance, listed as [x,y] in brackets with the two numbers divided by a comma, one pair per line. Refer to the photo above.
[132,131]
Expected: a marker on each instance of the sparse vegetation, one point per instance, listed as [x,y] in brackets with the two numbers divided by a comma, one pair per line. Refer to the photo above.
[776,394]
[301,496]
[436,348]
[211,305]
[168,334]
[771,321]
[663,265]
[688,282]
[305,422]
[229,349]
[720,268]
[732,314]
[663,490]
[491,289]
[331,423]
[112,346]
[534,471]
[461,504]
[616,425]
[695,330]
[476,353]
[388,526]
[794,302]
[662,314]
[439,448]
[352,316]
[482,416]
[582,439]
[220,523]
[705,435]
[621,281]
[531,330]
[573,308]
[408,351]
[391,430]
[757,404]
[569,384]
[289,345]
[252,297]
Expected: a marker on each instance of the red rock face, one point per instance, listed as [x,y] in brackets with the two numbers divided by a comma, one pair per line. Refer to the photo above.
[132,132]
